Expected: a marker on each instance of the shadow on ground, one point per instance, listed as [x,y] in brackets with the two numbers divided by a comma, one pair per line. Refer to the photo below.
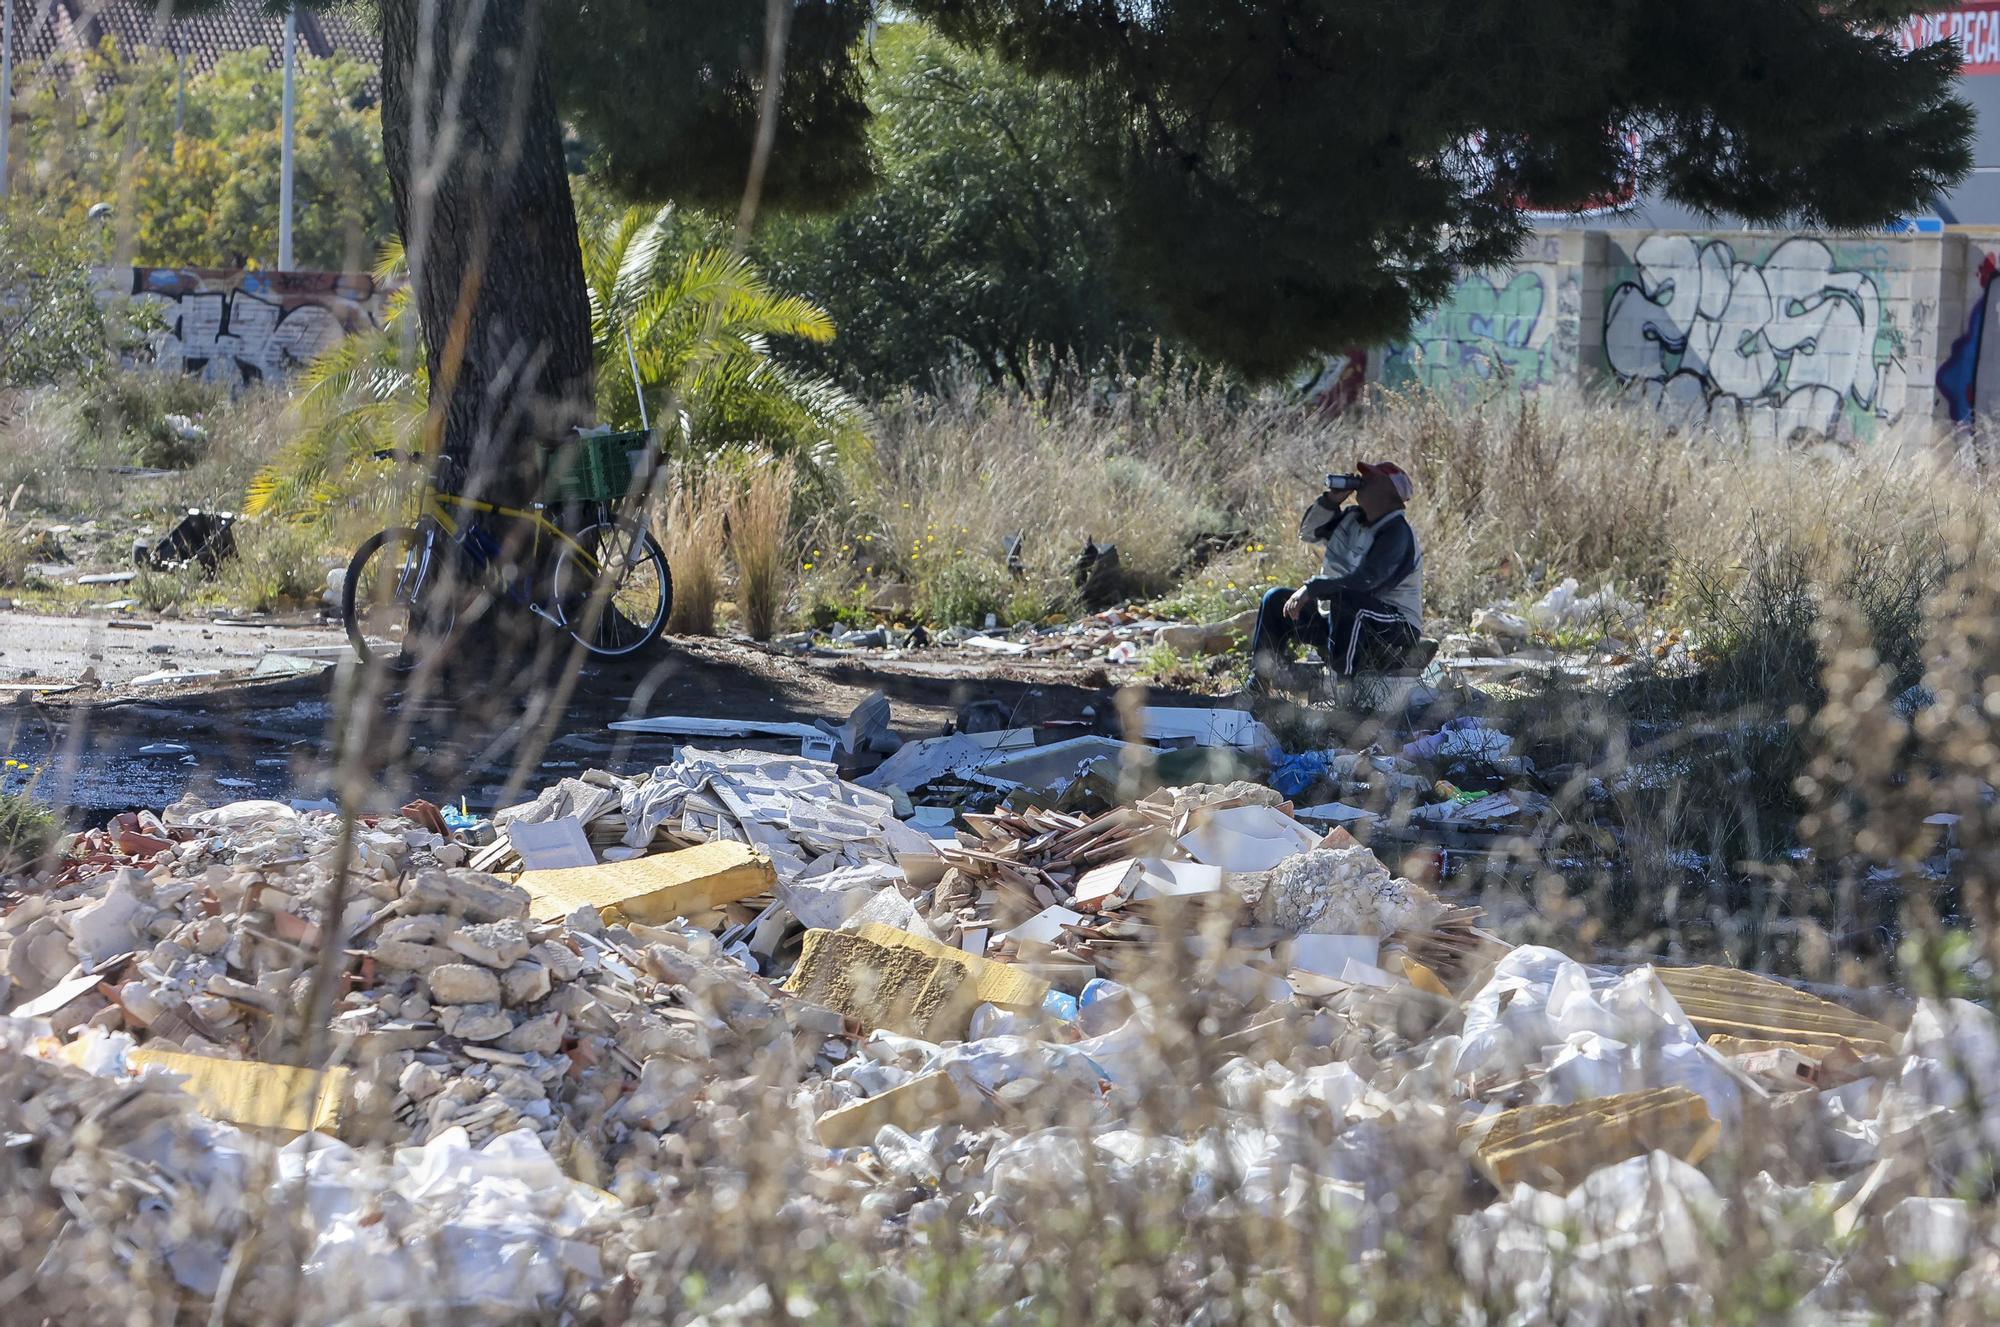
[478,736]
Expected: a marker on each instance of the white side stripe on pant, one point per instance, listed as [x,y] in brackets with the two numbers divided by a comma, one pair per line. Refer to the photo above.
[1354,636]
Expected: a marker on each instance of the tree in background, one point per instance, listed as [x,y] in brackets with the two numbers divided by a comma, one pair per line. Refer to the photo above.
[1285,178]
[1298,175]
[208,196]
[52,329]
[985,246]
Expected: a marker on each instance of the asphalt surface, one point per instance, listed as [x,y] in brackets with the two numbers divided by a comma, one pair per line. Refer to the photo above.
[117,650]
[488,738]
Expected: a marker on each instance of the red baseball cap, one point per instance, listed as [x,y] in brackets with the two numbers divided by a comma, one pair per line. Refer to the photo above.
[1388,470]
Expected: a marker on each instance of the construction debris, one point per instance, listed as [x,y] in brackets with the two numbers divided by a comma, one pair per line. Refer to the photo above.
[980,1017]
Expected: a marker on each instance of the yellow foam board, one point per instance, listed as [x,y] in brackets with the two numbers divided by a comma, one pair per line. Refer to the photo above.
[652,890]
[283,1098]
[902,988]
[996,983]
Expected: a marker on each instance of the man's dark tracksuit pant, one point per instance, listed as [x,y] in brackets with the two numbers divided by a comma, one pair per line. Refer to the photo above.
[1357,627]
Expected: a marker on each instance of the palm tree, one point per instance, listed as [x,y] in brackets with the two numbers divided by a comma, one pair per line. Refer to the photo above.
[699,329]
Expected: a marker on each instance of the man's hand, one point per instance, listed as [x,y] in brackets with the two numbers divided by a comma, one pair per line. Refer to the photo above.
[1297,603]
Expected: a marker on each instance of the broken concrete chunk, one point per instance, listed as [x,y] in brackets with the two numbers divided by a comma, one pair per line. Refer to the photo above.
[214,1010]
[463,983]
[475,1022]
[425,928]
[210,935]
[412,955]
[563,963]
[419,1081]
[524,983]
[473,895]
[142,1006]
[494,944]
[537,1036]
[242,993]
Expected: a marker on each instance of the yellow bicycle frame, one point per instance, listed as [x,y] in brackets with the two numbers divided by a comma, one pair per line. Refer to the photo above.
[438,505]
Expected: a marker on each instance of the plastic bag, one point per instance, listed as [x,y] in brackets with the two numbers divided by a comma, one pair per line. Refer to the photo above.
[1625,1035]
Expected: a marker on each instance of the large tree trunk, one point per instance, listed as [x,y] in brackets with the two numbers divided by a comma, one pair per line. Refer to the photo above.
[475,156]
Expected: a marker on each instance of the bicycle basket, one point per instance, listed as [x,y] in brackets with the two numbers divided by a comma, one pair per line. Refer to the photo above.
[596,467]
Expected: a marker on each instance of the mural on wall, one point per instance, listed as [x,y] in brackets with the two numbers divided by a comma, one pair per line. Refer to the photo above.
[1796,345]
[240,328]
[1490,333]
[1975,354]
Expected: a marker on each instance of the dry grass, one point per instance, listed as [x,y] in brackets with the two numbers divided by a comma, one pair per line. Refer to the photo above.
[760,522]
[1511,496]
[690,528]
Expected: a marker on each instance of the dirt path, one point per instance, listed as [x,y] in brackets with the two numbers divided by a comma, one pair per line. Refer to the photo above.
[99,753]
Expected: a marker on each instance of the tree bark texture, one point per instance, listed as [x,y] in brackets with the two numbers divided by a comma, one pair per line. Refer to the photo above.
[474,150]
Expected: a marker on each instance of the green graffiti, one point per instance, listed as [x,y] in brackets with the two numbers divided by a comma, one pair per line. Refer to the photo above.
[1484,335]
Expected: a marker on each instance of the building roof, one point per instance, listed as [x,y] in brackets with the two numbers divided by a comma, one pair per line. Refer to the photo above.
[49,34]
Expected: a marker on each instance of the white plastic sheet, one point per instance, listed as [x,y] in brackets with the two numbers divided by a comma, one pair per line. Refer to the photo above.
[1626,1035]
[443,1226]
[1633,1242]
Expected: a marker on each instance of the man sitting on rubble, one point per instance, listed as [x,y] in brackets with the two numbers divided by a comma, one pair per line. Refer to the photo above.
[1365,608]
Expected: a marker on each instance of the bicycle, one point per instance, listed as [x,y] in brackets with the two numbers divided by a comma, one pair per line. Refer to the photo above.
[607,583]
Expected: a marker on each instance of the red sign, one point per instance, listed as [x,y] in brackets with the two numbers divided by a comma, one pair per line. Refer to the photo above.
[1976,28]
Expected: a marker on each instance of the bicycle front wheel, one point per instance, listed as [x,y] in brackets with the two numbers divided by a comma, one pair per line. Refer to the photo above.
[613,588]
[390,602]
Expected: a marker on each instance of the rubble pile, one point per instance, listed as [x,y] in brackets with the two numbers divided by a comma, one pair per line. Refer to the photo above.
[494,1093]
[462,1010]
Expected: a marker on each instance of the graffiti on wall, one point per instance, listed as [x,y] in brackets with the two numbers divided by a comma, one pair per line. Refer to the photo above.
[1489,333]
[1795,346]
[240,328]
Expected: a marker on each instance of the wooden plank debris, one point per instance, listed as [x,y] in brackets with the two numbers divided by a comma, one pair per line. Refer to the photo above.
[1556,1147]
[1726,1002]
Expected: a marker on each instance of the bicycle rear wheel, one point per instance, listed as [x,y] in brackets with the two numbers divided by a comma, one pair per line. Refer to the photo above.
[616,592]
[393,602]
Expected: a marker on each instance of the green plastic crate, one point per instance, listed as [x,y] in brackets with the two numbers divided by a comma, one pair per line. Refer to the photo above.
[596,467]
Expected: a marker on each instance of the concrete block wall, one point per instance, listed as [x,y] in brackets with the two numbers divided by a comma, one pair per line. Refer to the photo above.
[1784,335]
[244,327]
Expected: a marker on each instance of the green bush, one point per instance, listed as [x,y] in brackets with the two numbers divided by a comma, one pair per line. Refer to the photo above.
[132,408]
[276,567]
[27,831]
[963,590]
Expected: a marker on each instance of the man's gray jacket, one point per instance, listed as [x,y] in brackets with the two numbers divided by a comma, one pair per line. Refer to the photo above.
[1378,559]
